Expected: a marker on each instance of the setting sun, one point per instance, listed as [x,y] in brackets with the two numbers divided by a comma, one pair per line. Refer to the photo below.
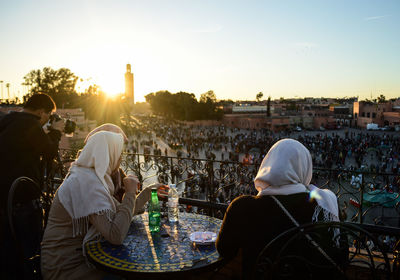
[111,88]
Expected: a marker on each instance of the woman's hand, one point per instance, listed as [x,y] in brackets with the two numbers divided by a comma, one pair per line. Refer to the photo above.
[116,178]
[131,184]
[162,189]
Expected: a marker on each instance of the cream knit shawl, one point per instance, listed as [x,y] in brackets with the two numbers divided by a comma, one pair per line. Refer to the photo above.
[88,188]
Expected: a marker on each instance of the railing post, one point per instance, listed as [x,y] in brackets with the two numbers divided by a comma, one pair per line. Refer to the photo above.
[172,171]
[138,165]
[362,198]
[211,188]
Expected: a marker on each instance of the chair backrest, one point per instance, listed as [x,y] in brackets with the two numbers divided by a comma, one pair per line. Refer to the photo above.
[332,250]
[396,261]
[28,262]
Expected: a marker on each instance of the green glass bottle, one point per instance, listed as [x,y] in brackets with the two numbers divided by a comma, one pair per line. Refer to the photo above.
[154,212]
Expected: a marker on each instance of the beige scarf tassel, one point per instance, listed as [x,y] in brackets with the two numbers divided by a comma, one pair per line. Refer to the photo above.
[80,225]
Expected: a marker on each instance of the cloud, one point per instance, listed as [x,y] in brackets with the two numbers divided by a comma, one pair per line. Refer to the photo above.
[376,17]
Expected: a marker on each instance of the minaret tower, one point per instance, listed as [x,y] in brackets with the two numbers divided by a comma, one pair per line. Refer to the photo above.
[129,94]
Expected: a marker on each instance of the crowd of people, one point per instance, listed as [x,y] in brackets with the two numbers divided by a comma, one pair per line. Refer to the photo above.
[349,150]
[377,153]
[352,150]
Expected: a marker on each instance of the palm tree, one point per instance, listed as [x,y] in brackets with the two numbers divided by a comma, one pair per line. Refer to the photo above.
[381,99]
[259,96]
[1,82]
[8,90]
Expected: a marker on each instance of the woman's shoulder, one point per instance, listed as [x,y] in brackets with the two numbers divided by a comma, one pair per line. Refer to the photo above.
[253,199]
[77,174]
[81,176]
[297,200]
[243,199]
[247,201]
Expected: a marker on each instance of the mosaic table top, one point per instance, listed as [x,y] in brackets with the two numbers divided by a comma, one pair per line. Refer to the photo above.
[168,251]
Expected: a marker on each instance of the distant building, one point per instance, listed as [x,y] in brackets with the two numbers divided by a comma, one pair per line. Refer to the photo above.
[256,121]
[369,112]
[129,89]
[248,109]
[313,116]
[391,118]
[343,114]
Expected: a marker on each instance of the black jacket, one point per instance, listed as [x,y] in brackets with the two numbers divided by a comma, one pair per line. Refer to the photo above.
[251,222]
[23,144]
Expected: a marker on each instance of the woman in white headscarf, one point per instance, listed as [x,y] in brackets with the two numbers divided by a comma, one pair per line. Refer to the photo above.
[251,222]
[84,208]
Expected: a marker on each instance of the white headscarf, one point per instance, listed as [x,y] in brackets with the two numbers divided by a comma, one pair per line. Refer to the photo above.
[287,169]
[88,188]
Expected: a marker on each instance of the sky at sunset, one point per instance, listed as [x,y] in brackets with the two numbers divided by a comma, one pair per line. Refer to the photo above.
[329,48]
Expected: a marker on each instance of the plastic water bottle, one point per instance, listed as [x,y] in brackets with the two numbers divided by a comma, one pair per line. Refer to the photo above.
[154,212]
[173,201]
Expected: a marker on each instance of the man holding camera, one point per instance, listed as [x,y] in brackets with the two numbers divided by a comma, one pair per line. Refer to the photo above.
[23,144]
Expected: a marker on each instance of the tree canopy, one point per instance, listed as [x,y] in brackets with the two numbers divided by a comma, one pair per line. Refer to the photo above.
[381,99]
[60,85]
[184,106]
[259,96]
[208,96]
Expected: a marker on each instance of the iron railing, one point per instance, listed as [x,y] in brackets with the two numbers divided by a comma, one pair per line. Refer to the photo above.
[364,197]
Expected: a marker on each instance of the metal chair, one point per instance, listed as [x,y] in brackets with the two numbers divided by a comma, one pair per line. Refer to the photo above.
[331,250]
[29,263]
[396,261]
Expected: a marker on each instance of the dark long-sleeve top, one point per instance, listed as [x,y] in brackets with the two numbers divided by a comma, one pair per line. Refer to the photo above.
[251,222]
[23,143]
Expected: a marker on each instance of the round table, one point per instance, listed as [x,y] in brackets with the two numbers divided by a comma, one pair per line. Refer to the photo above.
[168,252]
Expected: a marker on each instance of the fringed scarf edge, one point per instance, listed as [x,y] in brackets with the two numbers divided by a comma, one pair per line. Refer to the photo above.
[327,217]
[80,225]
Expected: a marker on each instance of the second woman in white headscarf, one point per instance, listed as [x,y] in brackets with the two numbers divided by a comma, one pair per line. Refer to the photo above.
[287,169]
[283,179]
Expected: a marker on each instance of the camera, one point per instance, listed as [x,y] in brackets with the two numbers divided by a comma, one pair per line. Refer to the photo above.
[69,127]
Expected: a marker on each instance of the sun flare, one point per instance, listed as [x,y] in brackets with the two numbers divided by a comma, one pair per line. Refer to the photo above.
[111,86]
